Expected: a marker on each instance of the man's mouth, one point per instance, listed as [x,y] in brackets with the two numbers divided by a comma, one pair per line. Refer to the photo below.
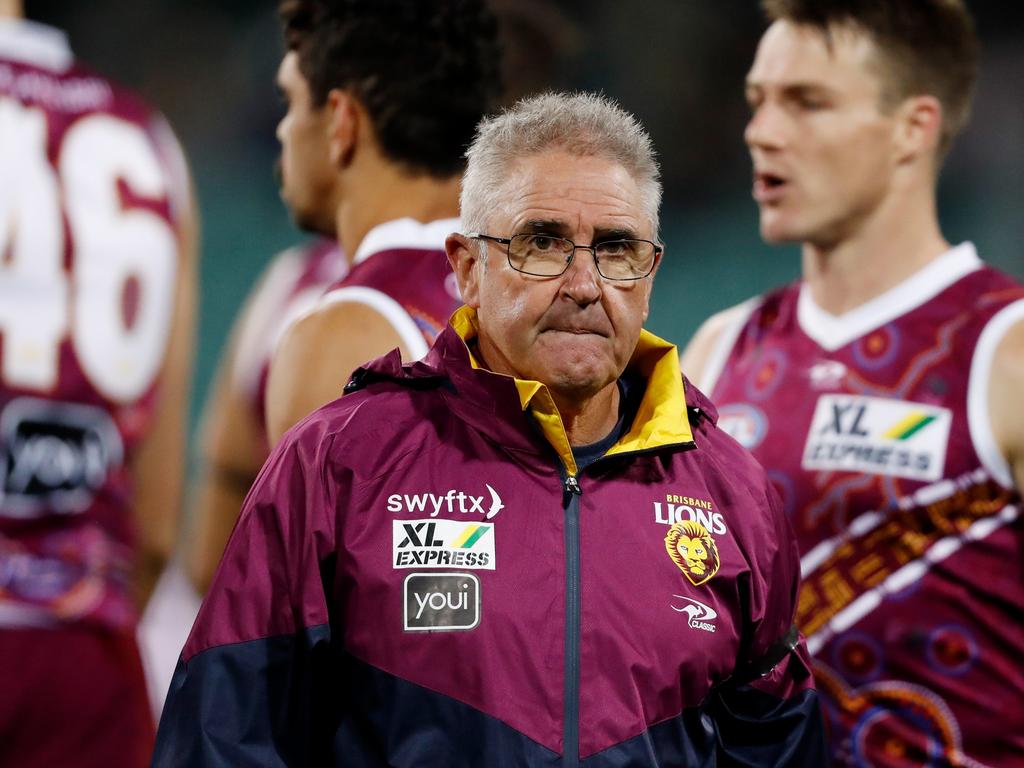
[577,331]
[769,187]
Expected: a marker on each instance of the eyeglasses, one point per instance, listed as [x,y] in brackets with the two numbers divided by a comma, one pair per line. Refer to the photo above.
[550,256]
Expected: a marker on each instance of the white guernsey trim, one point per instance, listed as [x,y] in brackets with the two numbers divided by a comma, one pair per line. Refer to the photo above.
[391,310]
[834,331]
[36,44]
[979,419]
[405,234]
[724,343]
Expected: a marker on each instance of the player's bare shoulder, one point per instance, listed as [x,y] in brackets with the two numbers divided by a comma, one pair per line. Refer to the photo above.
[1006,381]
[317,354]
[704,355]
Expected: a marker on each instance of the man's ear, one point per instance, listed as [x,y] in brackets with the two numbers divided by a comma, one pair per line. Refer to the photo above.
[344,126]
[918,128]
[649,288]
[467,264]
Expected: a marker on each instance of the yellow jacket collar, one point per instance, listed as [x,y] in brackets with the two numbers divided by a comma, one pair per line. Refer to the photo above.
[660,421]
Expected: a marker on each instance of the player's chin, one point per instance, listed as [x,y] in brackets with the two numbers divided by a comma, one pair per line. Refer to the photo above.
[775,228]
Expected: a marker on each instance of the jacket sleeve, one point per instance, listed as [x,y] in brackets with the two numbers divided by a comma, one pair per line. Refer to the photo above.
[768,712]
[249,687]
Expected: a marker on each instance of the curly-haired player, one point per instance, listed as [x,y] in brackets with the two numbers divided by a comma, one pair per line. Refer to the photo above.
[383,97]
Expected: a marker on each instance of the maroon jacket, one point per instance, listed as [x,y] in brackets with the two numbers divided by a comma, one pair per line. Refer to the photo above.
[420,577]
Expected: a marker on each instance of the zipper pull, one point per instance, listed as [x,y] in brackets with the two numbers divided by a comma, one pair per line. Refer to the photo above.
[572,485]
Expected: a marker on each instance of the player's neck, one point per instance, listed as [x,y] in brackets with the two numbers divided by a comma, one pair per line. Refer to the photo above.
[887,248]
[393,194]
[11,9]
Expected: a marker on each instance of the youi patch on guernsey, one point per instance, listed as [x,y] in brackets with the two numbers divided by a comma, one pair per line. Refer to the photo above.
[879,436]
[442,544]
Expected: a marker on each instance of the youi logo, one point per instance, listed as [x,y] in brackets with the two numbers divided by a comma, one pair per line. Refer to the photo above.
[441,602]
[450,502]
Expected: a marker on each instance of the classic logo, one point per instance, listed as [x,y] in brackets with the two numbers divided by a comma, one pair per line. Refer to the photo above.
[875,435]
[699,615]
[54,456]
[441,602]
[693,549]
[442,544]
[677,508]
[451,501]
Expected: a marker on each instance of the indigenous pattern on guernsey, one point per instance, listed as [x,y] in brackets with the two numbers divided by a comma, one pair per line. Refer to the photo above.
[92,197]
[293,282]
[874,428]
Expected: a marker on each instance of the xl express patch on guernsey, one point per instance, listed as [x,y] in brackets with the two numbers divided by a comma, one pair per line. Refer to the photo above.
[878,436]
[442,544]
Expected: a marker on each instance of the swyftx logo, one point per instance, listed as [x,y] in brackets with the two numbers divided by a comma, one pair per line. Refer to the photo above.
[450,502]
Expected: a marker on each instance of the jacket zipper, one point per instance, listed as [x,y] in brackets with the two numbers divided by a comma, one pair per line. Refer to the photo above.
[571,709]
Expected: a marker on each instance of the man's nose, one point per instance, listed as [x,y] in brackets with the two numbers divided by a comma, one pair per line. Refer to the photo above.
[764,129]
[582,281]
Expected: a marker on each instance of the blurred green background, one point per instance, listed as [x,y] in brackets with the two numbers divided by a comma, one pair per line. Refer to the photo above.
[678,64]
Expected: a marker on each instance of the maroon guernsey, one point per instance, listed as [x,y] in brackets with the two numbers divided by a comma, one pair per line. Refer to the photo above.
[401,270]
[93,189]
[93,193]
[874,429]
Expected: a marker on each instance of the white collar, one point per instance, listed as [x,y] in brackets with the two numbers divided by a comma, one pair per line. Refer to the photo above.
[834,331]
[37,44]
[405,234]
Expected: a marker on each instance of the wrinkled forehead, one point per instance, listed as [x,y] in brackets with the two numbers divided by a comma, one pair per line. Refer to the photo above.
[573,191]
[843,56]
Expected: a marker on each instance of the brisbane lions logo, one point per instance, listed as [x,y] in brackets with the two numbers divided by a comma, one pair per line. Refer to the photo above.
[691,548]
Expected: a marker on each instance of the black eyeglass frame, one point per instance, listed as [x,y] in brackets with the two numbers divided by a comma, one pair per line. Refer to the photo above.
[507,242]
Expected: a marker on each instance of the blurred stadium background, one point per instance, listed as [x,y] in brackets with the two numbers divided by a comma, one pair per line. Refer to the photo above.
[678,64]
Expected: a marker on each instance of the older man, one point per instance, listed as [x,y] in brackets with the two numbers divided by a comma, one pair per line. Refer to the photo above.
[531,548]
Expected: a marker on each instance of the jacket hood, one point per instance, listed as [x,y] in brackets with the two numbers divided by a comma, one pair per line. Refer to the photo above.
[497,404]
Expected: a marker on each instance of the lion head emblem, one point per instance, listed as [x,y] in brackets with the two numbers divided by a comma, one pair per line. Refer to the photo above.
[691,548]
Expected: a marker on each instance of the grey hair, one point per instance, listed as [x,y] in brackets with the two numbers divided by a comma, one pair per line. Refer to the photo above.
[583,124]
